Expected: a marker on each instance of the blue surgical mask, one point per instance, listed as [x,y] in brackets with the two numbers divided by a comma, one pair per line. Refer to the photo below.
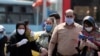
[48,28]
[69,21]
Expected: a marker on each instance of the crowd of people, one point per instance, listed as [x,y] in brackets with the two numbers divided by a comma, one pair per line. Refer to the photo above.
[57,39]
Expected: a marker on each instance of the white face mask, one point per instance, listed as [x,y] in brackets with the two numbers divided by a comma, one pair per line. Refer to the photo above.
[88,29]
[21,31]
[69,21]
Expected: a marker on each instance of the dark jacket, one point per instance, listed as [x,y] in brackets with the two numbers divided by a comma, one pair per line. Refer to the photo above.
[24,50]
[2,45]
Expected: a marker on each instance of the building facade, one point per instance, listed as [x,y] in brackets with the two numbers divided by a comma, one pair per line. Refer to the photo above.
[13,11]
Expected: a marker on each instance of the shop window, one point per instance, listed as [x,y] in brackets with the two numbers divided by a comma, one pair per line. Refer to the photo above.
[2,9]
[9,9]
[29,10]
[28,17]
[23,9]
[2,18]
[16,9]
[11,18]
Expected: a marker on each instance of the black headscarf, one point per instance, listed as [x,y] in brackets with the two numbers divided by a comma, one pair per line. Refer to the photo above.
[18,36]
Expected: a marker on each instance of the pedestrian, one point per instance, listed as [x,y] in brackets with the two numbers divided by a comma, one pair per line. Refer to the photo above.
[3,40]
[19,44]
[45,37]
[65,35]
[29,33]
[56,16]
[90,33]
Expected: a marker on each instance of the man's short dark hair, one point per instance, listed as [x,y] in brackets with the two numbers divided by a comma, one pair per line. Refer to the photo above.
[56,15]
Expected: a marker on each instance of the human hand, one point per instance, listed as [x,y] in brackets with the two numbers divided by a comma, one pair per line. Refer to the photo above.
[44,52]
[83,37]
[22,42]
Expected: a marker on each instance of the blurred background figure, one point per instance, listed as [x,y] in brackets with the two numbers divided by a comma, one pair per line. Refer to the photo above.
[56,16]
[3,41]
[29,33]
[27,24]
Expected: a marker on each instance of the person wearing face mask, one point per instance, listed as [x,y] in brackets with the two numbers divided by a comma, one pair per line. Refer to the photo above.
[29,33]
[91,35]
[19,45]
[3,40]
[56,16]
[65,35]
[45,37]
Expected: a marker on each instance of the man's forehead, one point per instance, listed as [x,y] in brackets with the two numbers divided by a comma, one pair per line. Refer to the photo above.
[69,13]
[69,10]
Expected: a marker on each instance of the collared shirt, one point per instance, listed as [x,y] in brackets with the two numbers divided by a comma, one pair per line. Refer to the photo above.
[67,39]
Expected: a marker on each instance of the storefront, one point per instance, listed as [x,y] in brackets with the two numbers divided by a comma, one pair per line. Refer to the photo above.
[86,7]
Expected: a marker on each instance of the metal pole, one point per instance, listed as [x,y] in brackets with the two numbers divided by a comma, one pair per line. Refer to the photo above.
[44,9]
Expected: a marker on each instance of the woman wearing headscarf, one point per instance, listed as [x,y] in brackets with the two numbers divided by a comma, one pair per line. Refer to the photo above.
[91,36]
[45,37]
[19,44]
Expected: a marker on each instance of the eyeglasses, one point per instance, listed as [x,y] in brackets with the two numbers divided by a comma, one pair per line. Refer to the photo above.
[69,16]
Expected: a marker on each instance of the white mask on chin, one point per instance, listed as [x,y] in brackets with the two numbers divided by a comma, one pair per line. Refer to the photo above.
[21,31]
[69,21]
[88,29]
